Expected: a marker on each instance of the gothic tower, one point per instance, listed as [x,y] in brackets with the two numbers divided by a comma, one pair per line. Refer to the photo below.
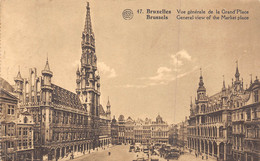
[19,85]
[238,85]
[201,102]
[201,96]
[88,80]
[108,112]
[47,100]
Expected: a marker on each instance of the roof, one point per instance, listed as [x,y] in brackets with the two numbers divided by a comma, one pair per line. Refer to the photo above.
[121,118]
[5,85]
[64,97]
[101,110]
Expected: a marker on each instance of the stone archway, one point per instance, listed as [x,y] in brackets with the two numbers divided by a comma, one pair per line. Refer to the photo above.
[198,145]
[67,150]
[202,146]
[63,152]
[57,153]
[215,147]
[206,147]
[221,150]
[51,154]
[210,148]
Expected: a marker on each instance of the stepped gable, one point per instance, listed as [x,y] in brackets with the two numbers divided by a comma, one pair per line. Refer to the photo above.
[61,96]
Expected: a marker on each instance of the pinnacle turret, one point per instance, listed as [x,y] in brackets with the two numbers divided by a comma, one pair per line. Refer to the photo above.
[46,70]
[18,77]
[88,26]
[78,73]
[108,103]
[237,72]
[201,83]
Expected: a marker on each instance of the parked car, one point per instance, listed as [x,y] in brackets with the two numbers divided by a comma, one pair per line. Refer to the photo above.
[173,155]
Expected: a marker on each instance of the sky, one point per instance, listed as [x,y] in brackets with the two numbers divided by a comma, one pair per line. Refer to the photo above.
[147,67]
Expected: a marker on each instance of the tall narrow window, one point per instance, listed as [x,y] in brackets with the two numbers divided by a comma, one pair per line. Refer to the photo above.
[20,131]
[25,131]
[25,119]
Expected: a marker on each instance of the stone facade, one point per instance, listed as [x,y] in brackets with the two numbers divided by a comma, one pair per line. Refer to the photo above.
[129,130]
[140,131]
[114,132]
[218,124]
[245,125]
[159,131]
[173,134]
[66,122]
[16,128]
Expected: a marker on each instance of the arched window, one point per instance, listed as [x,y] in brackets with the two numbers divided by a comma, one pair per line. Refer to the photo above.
[203,107]
[83,37]
[87,38]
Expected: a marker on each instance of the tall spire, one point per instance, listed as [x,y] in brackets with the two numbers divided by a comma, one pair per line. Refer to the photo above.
[47,70]
[88,27]
[201,83]
[19,74]
[224,87]
[47,67]
[237,72]
[108,103]
[78,73]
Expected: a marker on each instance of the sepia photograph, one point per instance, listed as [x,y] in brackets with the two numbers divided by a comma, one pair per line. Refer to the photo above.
[129,80]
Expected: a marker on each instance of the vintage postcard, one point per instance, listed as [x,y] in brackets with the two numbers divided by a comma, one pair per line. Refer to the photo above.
[129,80]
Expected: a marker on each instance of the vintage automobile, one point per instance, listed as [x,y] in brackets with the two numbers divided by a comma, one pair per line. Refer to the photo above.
[173,155]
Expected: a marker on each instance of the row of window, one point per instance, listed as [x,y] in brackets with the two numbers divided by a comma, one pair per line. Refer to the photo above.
[211,119]
[240,115]
[24,131]
[69,118]
[210,132]
[160,134]
[10,110]
[238,128]
[69,136]
[9,130]
[25,144]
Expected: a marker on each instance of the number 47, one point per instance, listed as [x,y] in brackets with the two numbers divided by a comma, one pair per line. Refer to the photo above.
[139,11]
